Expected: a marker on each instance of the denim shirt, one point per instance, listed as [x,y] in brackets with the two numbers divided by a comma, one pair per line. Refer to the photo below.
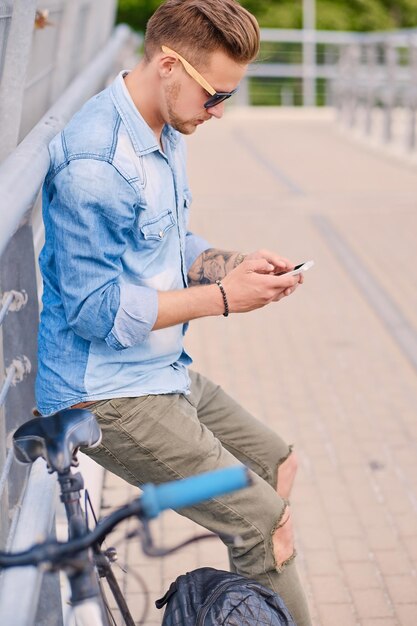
[115,209]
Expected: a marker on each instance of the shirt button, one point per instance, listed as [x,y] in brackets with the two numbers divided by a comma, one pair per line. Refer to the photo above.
[161,234]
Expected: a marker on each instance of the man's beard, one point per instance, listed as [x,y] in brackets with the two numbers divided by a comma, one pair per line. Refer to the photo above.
[182,126]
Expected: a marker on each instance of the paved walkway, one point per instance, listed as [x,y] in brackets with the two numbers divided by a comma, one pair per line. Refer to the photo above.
[333,368]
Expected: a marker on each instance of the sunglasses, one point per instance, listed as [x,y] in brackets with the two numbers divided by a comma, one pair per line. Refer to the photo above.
[215,96]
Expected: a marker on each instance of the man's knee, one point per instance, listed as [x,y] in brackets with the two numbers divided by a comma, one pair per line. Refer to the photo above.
[283,540]
[269,543]
[286,475]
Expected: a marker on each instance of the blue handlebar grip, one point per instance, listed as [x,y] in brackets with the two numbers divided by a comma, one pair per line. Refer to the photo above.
[188,491]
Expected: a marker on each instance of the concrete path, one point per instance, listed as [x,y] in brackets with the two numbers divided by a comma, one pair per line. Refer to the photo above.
[333,368]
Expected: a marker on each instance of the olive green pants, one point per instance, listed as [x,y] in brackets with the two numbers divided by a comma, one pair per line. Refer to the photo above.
[166,437]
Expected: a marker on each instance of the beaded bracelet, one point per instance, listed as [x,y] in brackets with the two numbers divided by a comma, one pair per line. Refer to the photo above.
[226,304]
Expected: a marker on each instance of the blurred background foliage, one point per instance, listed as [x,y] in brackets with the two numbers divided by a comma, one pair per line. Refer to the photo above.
[355,15]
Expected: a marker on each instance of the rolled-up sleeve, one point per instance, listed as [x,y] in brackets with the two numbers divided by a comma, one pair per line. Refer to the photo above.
[92,208]
[135,317]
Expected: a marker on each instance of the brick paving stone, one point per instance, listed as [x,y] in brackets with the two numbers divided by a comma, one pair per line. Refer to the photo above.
[372,603]
[407,525]
[407,614]
[352,549]
[336,502]
[371,514]
[322,562]
[410,544]
[362,575]
[329,589]
[340,614]
[402,589]
[317,537]
[393,561]
[345,526]
[382,537]
[397,498]
[312,512]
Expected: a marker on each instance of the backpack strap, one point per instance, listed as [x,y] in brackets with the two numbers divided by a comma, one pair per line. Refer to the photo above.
[168,595]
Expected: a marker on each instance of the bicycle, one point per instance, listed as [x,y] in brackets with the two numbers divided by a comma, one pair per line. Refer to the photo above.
[57,439]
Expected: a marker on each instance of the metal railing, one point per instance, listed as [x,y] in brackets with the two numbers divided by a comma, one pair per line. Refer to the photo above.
[370,78]
[295,67]
[376,88]
[72,57]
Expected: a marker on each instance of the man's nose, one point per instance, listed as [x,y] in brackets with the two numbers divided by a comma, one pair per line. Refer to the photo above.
[217,111]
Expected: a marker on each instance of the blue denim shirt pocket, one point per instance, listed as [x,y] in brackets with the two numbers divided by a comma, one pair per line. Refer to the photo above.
[155,229]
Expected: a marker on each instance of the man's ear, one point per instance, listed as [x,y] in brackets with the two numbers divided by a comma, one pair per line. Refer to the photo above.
[166,64]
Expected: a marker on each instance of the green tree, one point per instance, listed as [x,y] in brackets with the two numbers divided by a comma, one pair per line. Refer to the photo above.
[356,15]
[137,12]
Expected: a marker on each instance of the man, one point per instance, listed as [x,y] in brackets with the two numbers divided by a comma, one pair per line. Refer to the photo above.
[123,277]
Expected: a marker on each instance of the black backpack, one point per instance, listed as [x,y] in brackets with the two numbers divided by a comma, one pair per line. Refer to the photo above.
[210,597]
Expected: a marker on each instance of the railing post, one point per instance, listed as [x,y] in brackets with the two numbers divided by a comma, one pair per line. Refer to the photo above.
[389,99]
[330,59]
[107,16]
[65,51]
[341,82]
[242,96]
[412,96]
[309,53]
[14,73]
[353,88]
[371,63]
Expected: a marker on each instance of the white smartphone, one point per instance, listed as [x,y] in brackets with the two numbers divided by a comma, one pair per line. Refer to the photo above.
[298,269]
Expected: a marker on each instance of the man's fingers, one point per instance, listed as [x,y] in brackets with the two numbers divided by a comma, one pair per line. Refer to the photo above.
[261,266]
[283,282]
[283,294]
[283,264]
[279,262]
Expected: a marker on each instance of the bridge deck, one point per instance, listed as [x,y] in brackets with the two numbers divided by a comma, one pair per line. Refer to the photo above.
[333,368]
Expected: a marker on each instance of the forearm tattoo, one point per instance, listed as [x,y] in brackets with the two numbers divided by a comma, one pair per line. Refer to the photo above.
[213,265]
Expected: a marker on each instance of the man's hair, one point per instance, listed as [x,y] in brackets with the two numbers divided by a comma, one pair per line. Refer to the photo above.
[196,28]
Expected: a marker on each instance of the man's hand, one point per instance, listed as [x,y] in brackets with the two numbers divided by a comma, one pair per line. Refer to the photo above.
[249,284]
[254,283]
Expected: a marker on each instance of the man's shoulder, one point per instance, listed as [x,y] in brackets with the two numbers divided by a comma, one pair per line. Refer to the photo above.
[91,133]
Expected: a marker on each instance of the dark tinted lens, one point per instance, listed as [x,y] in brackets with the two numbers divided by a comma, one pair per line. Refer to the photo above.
[216,99]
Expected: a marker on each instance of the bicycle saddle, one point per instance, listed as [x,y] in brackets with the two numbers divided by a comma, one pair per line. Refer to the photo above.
[56,438]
